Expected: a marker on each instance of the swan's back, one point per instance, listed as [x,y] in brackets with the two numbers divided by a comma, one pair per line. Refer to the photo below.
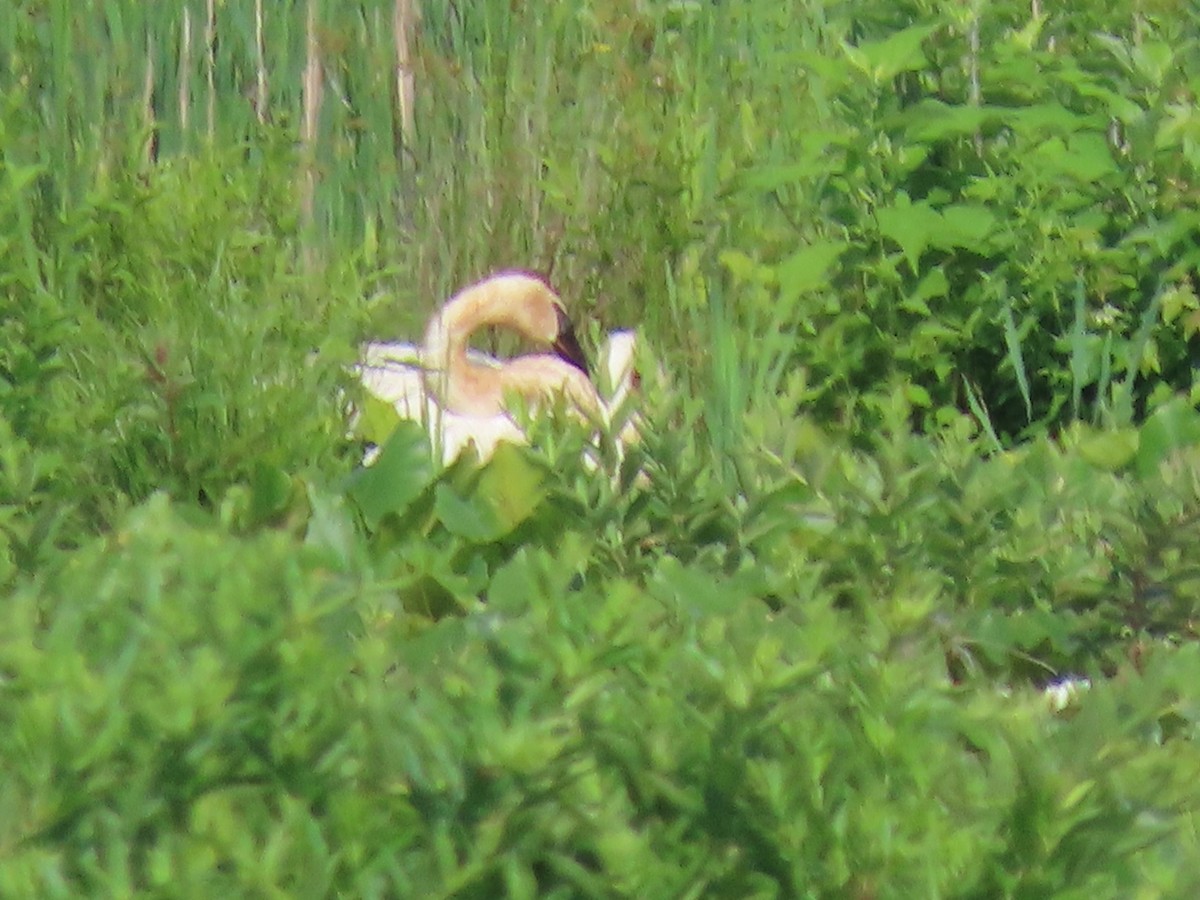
[392,372]
[395,372]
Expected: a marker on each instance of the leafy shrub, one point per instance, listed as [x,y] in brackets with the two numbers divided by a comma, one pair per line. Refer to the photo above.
[33,422]
[189,711]
[195,338]
[150,716]
[1036,562]
[975,205]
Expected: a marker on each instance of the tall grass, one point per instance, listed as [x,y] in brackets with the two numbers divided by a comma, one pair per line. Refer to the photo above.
[622,147]
[451,137]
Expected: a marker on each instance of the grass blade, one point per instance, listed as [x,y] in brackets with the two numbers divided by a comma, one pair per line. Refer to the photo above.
[1079,366]
[1016,359]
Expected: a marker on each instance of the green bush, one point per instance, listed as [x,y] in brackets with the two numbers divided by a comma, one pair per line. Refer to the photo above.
[167,333]
[186,711]
[1010,222]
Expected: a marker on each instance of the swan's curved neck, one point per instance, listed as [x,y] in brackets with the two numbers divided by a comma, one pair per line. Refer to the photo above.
[448,332]
[517,301]
[449,375]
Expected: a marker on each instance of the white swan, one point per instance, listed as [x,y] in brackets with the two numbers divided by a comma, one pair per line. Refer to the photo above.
[459,394]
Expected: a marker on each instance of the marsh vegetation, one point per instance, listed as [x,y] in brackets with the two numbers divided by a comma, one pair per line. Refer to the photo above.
[920,279]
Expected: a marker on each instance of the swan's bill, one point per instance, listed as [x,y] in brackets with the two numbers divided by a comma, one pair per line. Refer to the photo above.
[566,344]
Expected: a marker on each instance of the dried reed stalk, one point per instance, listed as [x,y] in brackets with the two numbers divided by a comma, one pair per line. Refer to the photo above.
[404,25]
[210,44]
[260,88]
[185,68]
[312,110]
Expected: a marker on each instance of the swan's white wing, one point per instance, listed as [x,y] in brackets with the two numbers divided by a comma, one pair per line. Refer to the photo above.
[394,372]
[457,432]
[394,379]
[397,383]
[618,358]
[380,353]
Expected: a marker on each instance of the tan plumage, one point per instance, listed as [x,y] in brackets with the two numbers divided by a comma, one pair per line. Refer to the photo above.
[462,395]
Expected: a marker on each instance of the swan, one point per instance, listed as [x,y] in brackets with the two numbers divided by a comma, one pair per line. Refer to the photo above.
[393,373]
[460,394]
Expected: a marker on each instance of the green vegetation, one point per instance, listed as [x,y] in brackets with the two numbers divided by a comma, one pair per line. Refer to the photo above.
[921,285]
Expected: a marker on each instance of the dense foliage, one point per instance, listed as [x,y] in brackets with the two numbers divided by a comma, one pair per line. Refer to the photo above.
[916,289]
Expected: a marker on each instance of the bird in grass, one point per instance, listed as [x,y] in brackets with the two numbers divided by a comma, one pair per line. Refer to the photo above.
[463,396]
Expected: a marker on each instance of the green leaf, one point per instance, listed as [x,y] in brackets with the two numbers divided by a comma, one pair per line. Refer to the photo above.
[330,531]
[910,225]
[808,268]
[1110,449]
[1173,426]
[19,177]
[270,490]
[377,419]
[1012,340]
[1044,118]
[1084,157]
[816,159]
[932,120]
[1090,155]
[464,516]
[509,489]
[1119,106]
[917,396]
[899,52]
[402,471]
[1176,299]
[740,266]
[967,225]
[934,284]
[1154,59]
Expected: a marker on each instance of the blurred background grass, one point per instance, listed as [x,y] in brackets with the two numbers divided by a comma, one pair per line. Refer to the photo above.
[834,199]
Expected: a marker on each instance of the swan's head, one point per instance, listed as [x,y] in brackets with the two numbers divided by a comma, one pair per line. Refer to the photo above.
[514,300]
[527,304]
[540,315]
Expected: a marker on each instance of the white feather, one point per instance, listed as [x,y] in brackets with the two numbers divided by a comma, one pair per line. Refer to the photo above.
[393,372]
